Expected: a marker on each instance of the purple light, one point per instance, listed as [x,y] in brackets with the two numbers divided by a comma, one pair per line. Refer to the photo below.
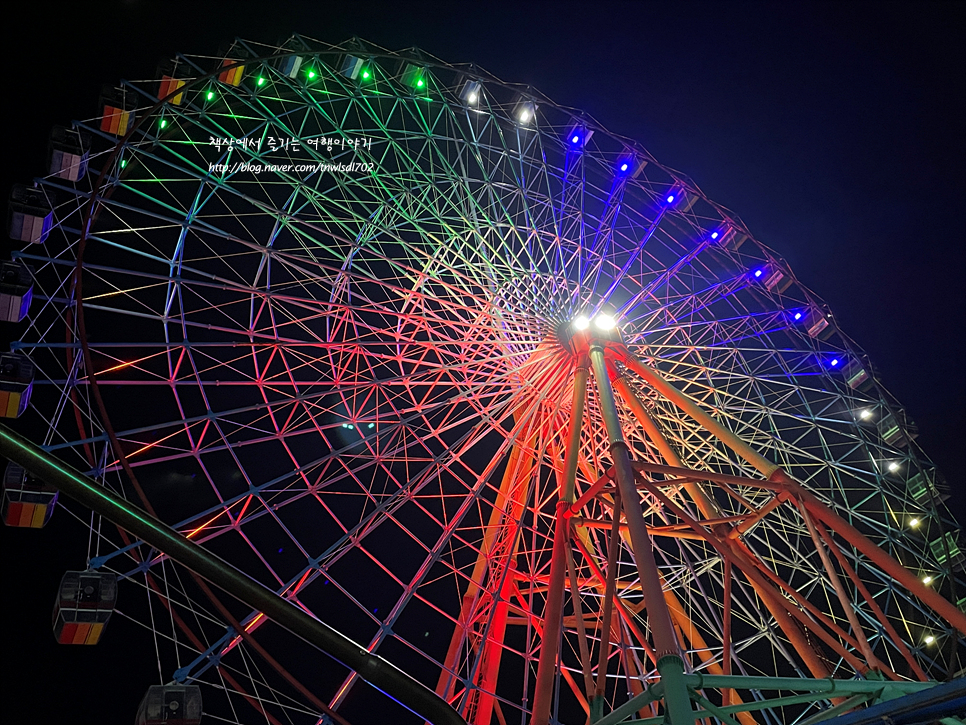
[758,273]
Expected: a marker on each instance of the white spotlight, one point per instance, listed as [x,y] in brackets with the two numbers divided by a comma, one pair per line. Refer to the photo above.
[470,92]
[929,639]
[525,111]
[865,414]
[581,323]
[893,467]
[604,322]
[926,579]
[913,522]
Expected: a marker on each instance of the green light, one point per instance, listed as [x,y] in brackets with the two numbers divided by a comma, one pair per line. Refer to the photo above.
[365,75]
[261,81]
[163,123]
[123,163]
[419,83]
[311,74]
[211,95]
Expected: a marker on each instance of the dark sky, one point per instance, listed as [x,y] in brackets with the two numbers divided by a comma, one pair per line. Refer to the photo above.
[834,130]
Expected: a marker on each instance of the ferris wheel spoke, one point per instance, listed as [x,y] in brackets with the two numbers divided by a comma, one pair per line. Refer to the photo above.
[307,467]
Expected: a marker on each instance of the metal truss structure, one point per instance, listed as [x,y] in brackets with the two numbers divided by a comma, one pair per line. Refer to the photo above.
[486,388]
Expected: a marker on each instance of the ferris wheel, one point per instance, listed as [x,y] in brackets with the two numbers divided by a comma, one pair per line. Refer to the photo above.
[483,386]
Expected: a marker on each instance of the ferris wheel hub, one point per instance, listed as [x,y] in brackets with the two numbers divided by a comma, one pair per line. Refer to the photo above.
[580,333]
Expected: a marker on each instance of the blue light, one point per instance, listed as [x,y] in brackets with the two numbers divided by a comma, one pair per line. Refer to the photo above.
[670,198]
[835,361]
[372,425]
[798,315]
[714,235]
[575,139]
[624,166]
[758,273]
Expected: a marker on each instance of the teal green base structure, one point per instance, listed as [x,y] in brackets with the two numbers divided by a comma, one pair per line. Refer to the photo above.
[856,692]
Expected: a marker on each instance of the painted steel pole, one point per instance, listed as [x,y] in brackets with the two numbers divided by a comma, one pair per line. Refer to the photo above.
[553,612]
[669,664]
[378,672]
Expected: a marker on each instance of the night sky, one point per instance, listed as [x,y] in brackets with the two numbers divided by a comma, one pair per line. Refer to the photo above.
[833,130]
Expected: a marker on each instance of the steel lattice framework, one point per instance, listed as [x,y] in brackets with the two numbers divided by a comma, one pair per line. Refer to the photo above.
[357,383]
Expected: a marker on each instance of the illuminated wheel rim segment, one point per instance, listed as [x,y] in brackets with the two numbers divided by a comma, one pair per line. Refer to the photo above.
[356,383]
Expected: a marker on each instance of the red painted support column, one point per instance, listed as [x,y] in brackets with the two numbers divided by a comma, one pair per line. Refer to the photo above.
[480,711]
[553,614]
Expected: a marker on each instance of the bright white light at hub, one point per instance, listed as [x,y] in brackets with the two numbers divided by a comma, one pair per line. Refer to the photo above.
[913,522]
[524,115]
[865,414]
[604,322]
[472,98]
[929,639]
[926,579]
[893,467]
[581,323]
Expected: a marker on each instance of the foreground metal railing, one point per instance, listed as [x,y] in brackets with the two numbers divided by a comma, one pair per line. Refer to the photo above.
[378,672]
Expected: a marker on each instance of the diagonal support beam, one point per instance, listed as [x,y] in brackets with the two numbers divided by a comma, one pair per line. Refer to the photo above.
[670,665]
[550,643]
[773,473]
